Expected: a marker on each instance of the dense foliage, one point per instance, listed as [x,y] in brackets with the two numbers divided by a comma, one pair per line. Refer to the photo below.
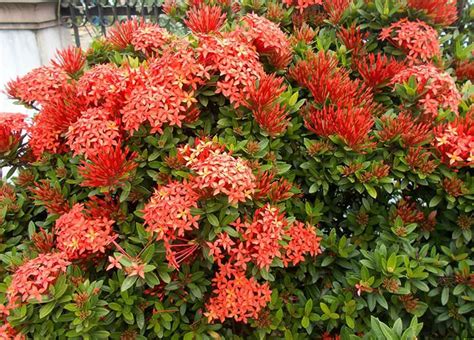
[297,170]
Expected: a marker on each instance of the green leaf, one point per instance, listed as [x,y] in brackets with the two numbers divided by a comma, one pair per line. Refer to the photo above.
[308,307]
[445,296]
[325,308]
[435,201]
[128,282]
[213,220]
[46,309]
[370,190]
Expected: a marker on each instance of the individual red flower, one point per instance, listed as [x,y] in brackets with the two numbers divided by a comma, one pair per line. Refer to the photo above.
[436,88]
[220,173]
[205,19]
[417,39]
[71,60]
[168,213]
[236,297]
[269,40]
[442,12]
[109,168]
[455,141]
[377,70]
[12,129]
[114,263]
[303,241]
[50,197]
[91,133]
[80,237]
[33,278]
[352,125]
[136,269]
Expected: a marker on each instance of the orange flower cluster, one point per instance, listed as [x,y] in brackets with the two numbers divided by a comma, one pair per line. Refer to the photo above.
[269,40]
[303,240]
[455,141]
[235,296]
[441,12]
[436,88]
[12,128]
[168,213]
[33,278]
[79,236]
[217,172]
[417,39]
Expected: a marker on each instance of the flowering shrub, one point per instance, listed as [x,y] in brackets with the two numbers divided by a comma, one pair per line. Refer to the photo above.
[294,169]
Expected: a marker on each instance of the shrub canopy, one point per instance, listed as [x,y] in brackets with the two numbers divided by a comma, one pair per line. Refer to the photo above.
[296,170]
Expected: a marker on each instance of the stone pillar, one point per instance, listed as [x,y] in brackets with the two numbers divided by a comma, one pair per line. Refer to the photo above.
[30,34]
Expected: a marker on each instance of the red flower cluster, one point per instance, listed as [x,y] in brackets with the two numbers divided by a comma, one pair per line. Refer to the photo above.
[79,236]
[455,141]
[302,4]
[71,60]
[33,278]
[217,172]
[108,168]
[335,9]
[168,213]
[236,296]
[417,39]
[12,128]
[269,40]
[351,124]
[410,131]
[377,70]
[442,12]
[50,197]
[303,240]
[8,201]
[436,88]
[205,19]
[263,101]
[235,60]
[268,188]
[465,70]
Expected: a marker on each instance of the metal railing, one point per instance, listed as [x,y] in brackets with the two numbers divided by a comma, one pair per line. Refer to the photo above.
[102,14]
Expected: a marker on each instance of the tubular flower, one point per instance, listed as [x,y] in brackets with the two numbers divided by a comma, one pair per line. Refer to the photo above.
[304,33]
[352,125]
[303,240]
[79,237]
[377,70]
[12,128]
[353,39]
[269,40]
[109,168]
[329,83]
[465,70]
[442,12]
[71,60]
[51,124]
[41,85]
[335,9]
[168,213]
[455,141]
[217,172]
[236,296]
[275,191]
[205,19]
[420,160]
[269,115]
[167,95]
[8,201]
[417,39]
[89,134]
[121,35]
[410,131]
[236,63]
[33,278]
[51,198]
[408,212]
[437,89]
